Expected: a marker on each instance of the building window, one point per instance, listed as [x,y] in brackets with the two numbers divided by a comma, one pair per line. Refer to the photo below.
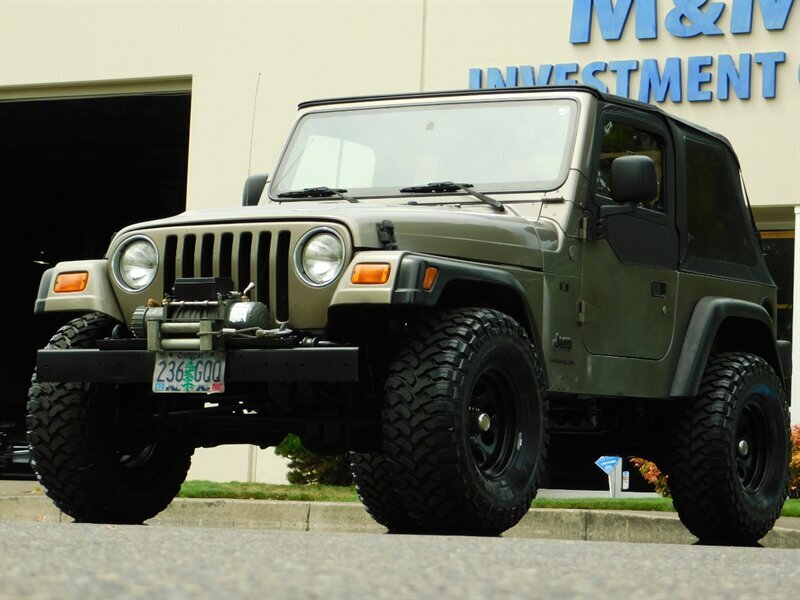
[778,247]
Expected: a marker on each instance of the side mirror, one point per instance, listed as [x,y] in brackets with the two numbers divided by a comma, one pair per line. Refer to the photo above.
[633,179]
[253,186]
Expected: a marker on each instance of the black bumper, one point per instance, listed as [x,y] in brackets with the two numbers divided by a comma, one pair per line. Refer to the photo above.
[314,365]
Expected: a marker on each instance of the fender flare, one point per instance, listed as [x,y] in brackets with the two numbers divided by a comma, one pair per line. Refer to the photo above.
[409,289]
[708,316]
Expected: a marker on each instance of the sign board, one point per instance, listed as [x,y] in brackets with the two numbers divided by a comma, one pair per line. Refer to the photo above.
[608,463]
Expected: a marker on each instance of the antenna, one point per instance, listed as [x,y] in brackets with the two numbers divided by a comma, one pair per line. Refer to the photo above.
[253,127]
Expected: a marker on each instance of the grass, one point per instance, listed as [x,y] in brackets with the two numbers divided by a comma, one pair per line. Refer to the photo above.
[329,493]
[657,504]
[266,491]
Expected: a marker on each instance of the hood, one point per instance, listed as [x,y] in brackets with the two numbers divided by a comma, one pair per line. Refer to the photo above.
[466,231]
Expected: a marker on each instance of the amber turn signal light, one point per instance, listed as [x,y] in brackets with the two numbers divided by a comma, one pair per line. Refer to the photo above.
[71,282]
[431,273]
[371,273]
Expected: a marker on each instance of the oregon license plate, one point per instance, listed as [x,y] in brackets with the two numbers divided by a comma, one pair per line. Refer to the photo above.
[189,372]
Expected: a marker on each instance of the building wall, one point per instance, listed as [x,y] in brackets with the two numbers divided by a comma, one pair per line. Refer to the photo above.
[250,63]
[296,50]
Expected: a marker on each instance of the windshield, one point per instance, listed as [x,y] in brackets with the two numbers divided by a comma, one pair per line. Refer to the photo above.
[499,146]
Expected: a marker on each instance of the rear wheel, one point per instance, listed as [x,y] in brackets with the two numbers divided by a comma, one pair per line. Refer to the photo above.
[731,450]
[93,446]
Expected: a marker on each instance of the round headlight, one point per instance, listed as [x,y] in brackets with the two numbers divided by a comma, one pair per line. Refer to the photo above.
[321,257]
[136,263]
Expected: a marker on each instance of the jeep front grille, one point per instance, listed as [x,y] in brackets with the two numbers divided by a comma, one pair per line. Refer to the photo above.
[258,256]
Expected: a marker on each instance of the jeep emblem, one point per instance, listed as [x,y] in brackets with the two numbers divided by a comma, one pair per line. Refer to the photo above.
[563,343]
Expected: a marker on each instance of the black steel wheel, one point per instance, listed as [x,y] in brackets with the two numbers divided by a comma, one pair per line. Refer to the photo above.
[464,423]
[731,450]
[91,444]
[493,422]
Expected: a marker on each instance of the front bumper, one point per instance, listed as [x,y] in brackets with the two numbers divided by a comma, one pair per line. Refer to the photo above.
[312,365]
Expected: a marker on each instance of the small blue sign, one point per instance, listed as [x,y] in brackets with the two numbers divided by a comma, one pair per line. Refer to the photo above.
[608,463]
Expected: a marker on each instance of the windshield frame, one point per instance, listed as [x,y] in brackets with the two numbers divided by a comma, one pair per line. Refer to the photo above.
[391,192]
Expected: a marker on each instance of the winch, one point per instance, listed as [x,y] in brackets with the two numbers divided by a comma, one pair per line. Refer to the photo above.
[199,314]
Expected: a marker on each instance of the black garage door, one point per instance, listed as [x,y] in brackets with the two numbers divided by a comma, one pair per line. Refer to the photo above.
[72,172]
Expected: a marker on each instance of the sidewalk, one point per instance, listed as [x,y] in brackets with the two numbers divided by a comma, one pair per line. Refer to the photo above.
[25,501]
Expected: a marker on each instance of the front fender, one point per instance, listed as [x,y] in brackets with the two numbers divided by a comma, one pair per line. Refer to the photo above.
[98,296]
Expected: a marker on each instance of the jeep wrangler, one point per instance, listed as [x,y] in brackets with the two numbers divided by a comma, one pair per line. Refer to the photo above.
[461,289]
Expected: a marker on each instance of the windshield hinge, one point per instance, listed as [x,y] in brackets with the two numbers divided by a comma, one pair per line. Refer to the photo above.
[386,235]
[583,228]
[581,306]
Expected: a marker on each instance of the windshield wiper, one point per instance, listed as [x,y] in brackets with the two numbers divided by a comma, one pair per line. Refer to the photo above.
[318,192]
[444,187]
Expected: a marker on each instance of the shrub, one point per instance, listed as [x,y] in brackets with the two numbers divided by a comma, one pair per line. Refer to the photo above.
[794,465]
[305,467]
[653,475]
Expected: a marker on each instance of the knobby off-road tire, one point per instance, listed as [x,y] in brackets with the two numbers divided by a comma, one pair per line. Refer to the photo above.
[464,433]
[76,430]
[373,474]
[731,450]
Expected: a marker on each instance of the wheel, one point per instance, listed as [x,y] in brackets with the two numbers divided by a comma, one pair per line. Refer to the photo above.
[731,450]
[89,449]
[373,474]
[464,423]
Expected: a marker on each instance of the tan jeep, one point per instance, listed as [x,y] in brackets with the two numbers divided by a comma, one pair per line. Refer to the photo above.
[461,289]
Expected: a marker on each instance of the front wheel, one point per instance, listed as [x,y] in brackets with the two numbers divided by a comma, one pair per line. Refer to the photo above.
[93,447]
[464,423]
[731,450]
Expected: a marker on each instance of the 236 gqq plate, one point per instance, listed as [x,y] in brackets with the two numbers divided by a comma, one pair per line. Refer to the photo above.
[189,372]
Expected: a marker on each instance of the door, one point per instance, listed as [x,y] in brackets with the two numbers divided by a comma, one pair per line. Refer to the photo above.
[629,277]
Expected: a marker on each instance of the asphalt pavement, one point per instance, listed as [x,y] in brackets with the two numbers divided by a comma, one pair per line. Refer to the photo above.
[24,501]
[52,560]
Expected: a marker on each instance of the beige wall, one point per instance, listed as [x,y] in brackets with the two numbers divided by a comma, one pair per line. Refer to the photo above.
[238,463]
[306,50]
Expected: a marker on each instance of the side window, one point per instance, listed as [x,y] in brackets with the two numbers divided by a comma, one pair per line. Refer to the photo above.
[621,139]
[717,224]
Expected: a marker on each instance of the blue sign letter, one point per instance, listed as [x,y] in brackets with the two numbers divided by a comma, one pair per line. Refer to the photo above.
[696,77]
[494,78]
[670,80]
[742,16]
[623,70]
[728,75]
[770,61]
[475,79]
[587,75]
[527,75]
[687,20]
[611,19]
[774,13]
[562,73]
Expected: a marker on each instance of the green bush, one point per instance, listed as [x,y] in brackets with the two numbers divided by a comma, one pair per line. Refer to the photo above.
[794,465]
[305,467]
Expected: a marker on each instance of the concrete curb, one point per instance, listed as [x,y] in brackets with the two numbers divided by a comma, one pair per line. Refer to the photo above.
[589,525]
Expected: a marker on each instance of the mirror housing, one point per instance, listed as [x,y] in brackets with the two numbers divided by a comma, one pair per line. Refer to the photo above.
[253,187]
[633,179]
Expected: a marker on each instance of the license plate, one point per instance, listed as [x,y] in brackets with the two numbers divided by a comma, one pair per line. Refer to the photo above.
[189,372]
